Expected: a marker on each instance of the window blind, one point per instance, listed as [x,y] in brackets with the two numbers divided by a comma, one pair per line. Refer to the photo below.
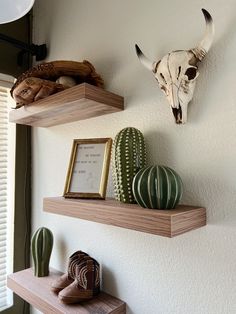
[5,298]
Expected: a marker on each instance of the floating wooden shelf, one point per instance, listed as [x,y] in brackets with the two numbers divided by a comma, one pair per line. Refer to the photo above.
[76,103]
[36,291]
[167,223]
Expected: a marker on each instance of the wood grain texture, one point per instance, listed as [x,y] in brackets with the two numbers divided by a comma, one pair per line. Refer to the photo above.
[36,291]
[80,102]
[167,223]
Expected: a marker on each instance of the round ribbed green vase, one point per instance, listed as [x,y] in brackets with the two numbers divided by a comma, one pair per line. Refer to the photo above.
[157,187]
[128,157]
[41,248]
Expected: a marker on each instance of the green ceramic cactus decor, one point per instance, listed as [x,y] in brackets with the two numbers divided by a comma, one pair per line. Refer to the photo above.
[157,187]
[128,157]
[41,248]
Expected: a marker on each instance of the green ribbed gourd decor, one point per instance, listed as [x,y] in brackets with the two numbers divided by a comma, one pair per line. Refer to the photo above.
[157,187]
[41,248]
[128,157]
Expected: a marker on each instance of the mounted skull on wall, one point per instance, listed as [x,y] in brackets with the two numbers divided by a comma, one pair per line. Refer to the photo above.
[176,72]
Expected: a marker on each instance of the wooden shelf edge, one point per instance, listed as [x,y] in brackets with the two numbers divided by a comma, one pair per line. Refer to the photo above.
[167,223]
[36,291]
[77,103]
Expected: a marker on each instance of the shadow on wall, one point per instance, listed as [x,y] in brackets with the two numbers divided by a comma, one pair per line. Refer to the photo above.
[62,254]
[108,277]
[211,192]
[214,72]
[109,68]
[161,154]
[204,184]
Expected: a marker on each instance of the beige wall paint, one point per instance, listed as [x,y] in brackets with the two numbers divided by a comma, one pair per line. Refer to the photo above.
[193,273]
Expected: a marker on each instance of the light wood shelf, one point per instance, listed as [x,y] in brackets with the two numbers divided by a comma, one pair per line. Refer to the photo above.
[167,223]
[80,102]
[36,291]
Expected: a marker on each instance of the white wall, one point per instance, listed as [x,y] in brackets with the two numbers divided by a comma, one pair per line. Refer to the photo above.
[195,272]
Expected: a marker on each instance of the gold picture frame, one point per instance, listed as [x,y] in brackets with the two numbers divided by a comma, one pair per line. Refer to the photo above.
[88,169]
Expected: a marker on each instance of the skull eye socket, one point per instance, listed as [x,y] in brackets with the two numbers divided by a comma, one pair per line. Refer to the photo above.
[191,73]
[162,76]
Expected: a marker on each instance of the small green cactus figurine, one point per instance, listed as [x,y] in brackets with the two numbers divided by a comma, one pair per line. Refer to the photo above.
[41,248]
[128,157]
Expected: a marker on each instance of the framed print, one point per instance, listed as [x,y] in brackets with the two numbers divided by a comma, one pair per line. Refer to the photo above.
[88,169]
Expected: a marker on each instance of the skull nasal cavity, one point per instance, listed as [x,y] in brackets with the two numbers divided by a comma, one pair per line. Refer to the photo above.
[179,73]
[191,73]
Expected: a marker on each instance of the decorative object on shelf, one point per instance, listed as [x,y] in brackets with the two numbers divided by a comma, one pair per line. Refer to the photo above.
[67,278]
[25,93]
[66,81]
[128,157]
[88,168]
[86,284]
[177,71]
[157,187]
[82,280]
[41,248]
[34,88]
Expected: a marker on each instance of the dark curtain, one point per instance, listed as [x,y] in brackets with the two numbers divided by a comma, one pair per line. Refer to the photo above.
[21,30]
[22,226]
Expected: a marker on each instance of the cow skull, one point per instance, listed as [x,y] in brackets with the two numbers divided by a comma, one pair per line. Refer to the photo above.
[176,72]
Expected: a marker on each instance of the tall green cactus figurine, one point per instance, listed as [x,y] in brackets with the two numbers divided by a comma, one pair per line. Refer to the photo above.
[41,247]
[128,157]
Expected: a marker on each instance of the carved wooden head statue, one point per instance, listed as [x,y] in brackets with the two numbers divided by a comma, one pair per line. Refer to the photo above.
[176,72]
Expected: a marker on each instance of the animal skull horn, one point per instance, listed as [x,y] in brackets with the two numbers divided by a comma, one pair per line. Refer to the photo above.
[176,72]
